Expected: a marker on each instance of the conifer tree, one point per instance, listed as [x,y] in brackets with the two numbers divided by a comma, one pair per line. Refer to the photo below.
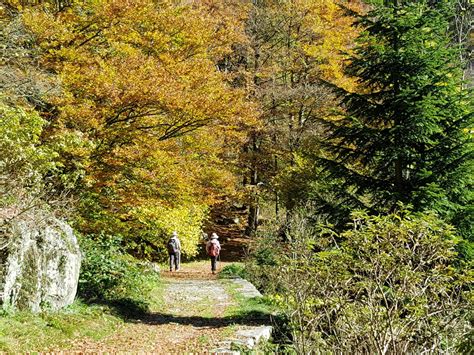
[405,135]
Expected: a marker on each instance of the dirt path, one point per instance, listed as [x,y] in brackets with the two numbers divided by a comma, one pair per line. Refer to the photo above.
[185,322]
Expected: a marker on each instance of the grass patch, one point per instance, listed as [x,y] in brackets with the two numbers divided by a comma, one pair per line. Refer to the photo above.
[253,309]
[145,296]
[22,332]
[204,340]
[244,306]
[205,308]
[156,296]
[49,331]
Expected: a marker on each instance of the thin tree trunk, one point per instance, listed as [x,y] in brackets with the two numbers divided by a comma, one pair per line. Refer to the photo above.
[252,221]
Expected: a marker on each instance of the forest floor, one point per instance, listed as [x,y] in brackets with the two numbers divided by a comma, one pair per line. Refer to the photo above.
[192,312]
[189,312]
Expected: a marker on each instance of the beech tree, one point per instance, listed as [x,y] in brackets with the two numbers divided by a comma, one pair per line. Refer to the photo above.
[152,116]
[292,45]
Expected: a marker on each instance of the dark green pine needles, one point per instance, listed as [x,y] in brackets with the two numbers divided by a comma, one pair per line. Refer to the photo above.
[405,137]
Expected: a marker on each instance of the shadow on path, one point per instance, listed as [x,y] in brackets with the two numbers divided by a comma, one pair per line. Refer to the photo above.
[132,312]
[249,319]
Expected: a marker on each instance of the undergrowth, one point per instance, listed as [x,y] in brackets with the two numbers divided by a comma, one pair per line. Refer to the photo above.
[111,276]
[113,288]
[233,270]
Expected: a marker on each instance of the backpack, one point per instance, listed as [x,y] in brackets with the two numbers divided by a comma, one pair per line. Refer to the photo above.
[172,247]
[213,249]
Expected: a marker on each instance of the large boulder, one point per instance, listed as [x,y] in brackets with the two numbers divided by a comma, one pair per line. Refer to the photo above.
[39,264]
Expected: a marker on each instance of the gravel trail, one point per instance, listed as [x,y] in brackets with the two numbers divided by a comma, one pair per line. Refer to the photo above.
[190,320]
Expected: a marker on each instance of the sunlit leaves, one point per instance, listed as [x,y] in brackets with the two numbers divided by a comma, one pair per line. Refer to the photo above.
[142,89]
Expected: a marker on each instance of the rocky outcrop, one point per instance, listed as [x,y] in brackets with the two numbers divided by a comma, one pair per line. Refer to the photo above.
[39,264]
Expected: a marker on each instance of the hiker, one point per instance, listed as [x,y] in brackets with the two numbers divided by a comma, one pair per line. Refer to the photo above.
[213,248]
[174,251]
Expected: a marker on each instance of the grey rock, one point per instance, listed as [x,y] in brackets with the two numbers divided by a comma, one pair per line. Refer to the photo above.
[155,267]
[246,288]
[225,352]
[39,264]
[254,335]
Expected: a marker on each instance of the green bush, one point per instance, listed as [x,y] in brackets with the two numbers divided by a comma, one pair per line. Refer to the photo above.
[111,275]
[389,284]
[233,270]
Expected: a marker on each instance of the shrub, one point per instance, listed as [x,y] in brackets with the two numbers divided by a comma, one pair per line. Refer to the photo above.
[111,275]
[233,270]
[390,286]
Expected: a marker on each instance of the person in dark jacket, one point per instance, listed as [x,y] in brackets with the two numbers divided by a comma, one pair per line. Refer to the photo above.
[213,249]
[174,251]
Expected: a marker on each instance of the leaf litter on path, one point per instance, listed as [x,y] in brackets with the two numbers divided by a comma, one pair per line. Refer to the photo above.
[190,319]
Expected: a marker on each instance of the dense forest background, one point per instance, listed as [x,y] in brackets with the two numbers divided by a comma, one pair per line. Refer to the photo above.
[139,118]
[313,119]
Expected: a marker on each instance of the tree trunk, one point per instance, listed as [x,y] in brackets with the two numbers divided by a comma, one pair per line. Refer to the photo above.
[252,221]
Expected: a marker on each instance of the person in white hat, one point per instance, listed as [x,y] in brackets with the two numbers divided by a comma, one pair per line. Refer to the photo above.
[213,249]
[174,251]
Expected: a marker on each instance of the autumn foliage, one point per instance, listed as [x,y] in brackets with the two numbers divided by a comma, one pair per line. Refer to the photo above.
[335,133]
[155,108]
[153,114]
[158,110]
